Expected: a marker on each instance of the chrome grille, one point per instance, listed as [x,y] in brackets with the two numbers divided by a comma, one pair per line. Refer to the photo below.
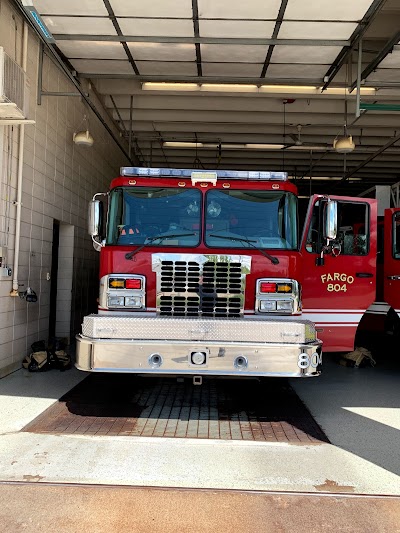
[208,286]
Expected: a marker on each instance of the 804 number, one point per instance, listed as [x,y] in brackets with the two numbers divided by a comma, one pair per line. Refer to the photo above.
[305,360]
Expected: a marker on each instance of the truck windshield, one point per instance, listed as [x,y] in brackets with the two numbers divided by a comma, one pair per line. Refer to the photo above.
[138,214]
[267,218]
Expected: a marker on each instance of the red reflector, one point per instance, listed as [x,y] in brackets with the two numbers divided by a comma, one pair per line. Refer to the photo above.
[267,287]
[133,284]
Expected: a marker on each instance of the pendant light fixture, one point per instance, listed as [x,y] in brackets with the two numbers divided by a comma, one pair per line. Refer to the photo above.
[344,144]
[83,137]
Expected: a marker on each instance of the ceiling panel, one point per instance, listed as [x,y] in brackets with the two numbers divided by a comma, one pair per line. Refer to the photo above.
[385,74]
[163,51]
[304,54]
[327,9]
[392,6]
[316,30]
[236,28]
[291,71]
[233,53]
[251,9]
[392,60]
[72,7]
[232,69]
[92,66]
[92,49]
[165,68]
[82,25]
[157,27]
[154,8]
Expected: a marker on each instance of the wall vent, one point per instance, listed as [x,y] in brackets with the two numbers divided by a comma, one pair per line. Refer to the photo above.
[12,88]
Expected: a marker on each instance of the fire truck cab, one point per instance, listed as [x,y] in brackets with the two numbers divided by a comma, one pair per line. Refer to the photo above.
[205,273]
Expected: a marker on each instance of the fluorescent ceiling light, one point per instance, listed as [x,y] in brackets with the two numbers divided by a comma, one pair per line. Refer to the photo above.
[177,144]
[251,88]
[161,86]
[298,89]
[308,148]
[228,87]
[341,91]
[229,146]
[224,146]
[265,146]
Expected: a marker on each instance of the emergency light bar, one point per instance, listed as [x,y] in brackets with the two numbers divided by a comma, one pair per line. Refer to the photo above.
[209,175]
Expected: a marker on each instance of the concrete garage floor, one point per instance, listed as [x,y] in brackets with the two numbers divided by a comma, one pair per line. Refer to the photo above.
[358,409]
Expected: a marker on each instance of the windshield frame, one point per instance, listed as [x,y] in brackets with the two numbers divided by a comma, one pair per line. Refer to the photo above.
[250,237]
[113,211]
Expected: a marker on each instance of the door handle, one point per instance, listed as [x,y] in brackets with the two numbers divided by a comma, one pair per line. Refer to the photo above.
[364,275]
[394,277]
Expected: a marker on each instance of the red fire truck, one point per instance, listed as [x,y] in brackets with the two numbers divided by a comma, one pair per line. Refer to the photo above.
[205,273]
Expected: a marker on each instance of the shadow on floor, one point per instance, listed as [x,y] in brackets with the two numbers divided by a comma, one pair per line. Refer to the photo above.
[121,404]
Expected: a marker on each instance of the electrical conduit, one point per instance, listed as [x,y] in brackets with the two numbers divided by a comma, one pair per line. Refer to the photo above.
[18,202]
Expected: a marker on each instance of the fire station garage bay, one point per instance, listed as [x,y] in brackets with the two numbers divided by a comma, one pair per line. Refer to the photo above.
[200,244]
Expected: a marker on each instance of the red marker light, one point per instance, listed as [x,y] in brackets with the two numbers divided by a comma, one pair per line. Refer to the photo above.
[267,286]
[133,284]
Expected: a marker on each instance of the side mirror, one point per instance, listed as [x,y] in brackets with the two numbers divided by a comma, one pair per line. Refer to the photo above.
[95,218]
[330,221]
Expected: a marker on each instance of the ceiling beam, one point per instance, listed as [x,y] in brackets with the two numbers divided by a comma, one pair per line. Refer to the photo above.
[195,12]
[331,120]
[277,27]
[200,40]
[219,128]
[312,82]
[115,23]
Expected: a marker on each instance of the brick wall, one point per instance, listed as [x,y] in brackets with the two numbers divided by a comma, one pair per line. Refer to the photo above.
[59,179]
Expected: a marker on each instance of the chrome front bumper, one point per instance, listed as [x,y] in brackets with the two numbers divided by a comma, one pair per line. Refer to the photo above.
[231,347]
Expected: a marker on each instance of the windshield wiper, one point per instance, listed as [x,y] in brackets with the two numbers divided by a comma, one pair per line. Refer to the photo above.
[150,240]
[274,260]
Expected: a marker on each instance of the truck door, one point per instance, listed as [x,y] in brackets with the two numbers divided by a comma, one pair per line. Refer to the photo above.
[337,292]
[391,263]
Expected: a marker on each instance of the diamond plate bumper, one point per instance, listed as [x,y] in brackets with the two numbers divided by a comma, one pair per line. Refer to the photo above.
[243,347]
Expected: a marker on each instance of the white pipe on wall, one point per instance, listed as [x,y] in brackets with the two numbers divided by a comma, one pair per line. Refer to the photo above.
[18,202]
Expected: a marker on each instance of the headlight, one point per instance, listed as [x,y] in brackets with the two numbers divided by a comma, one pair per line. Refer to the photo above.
[133,301]
[284,305]
[267,305]
[116,301]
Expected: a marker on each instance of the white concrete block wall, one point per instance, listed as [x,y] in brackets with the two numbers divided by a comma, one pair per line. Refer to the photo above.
[59,179]
[64,281]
